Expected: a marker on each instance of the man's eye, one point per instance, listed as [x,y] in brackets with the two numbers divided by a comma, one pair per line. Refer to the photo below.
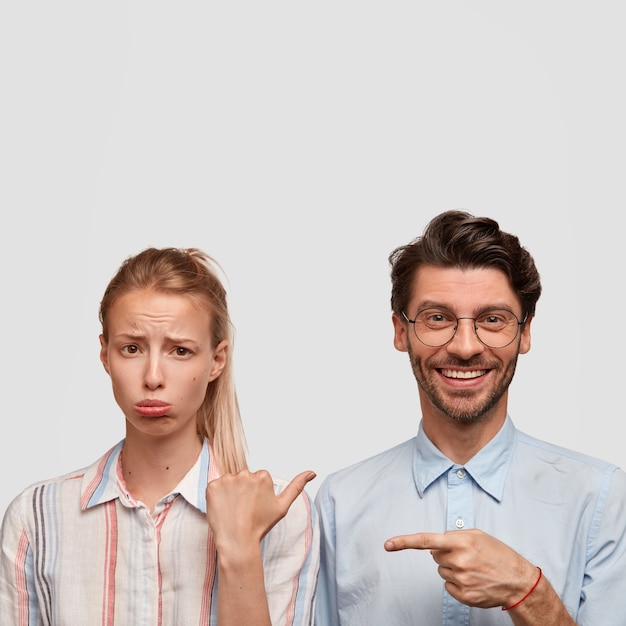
[437,318]
[495,318]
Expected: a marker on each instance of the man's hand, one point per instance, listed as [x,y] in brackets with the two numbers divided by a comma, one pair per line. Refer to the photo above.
[478,569]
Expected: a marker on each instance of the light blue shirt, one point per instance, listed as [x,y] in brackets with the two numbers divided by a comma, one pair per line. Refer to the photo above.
[561,510]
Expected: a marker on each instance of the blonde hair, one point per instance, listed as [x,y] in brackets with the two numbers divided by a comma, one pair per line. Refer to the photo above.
[192,273]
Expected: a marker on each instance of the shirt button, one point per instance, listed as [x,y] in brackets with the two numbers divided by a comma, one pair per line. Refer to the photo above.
[461,473]
[459,523]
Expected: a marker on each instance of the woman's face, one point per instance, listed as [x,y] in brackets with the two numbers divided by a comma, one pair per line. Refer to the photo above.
[160,359]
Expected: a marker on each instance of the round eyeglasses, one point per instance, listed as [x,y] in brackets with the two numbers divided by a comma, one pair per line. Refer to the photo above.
[495,328]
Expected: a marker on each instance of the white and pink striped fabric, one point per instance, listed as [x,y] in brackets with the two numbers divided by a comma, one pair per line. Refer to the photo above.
[78,550]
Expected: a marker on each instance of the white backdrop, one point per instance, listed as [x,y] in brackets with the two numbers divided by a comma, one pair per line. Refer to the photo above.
[299,143]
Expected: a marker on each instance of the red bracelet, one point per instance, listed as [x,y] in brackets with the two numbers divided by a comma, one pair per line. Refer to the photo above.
[508,608]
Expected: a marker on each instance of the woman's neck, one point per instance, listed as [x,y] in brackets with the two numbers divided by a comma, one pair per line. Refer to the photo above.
[152,467]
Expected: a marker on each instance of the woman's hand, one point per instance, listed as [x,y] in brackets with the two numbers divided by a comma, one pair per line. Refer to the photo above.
[241,509]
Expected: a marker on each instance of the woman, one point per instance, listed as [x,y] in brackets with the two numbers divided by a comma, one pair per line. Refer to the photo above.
[169,527]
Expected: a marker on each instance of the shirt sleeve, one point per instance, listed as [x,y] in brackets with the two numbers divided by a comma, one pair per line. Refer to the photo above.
[18,597]
[291,564]
[326,612]
[604,587]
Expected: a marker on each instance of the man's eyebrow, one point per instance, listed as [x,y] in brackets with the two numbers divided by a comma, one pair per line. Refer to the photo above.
[433,304]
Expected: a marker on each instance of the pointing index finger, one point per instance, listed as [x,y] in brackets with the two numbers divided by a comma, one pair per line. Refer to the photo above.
[416,541]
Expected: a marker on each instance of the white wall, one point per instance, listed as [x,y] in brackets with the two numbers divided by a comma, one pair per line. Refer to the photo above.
[299,143]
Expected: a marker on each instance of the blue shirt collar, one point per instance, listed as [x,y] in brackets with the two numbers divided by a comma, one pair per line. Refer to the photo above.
[488,468]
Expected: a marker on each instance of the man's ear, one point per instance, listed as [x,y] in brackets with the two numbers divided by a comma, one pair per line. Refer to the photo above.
[524,344]
[400,333]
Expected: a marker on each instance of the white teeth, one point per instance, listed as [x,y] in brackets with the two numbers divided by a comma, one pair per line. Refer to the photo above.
[457,374]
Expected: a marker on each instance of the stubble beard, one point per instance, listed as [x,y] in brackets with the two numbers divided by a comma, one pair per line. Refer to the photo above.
[461,406]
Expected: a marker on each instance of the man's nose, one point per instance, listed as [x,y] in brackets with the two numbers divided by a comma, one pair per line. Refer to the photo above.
[465,342]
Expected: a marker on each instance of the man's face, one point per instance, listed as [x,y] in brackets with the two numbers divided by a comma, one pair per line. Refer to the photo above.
[463,379]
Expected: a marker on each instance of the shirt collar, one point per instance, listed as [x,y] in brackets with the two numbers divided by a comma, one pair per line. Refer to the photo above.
[488,468]
[193,485]
[103,482]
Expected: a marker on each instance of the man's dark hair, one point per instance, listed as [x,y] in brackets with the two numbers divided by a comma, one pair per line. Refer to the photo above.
[459,239]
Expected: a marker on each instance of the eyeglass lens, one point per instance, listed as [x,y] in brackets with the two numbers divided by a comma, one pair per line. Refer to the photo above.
[496,328]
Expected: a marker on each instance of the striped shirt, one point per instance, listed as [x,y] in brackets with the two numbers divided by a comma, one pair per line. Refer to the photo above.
[79,550]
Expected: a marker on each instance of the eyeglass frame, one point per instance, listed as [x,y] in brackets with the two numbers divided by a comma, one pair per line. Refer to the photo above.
[456,327]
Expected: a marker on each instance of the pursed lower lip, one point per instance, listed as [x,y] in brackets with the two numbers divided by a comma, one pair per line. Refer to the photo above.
[153,410]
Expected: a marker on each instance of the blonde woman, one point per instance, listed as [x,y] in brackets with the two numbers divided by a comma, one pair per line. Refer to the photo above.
[169,527]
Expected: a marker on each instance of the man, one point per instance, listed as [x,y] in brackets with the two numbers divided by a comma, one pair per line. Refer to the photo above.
[471,522]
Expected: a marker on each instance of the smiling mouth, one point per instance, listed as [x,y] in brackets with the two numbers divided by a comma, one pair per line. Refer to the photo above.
[463,374]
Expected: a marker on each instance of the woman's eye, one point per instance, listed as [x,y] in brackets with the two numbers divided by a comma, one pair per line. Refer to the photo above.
[182,351]
[131,349]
